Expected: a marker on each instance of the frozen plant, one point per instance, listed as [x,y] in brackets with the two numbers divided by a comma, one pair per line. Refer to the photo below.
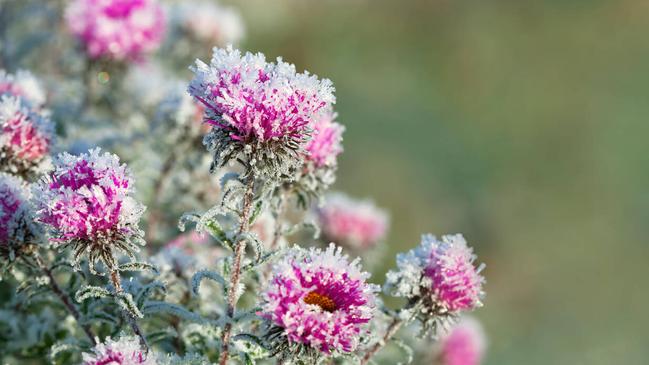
[26,137]
[117,29]
[463,344]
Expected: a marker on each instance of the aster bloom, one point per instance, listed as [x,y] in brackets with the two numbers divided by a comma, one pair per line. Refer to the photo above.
[26,137]
[464,344]
[326,142]
[211,22]
[440,275]
[357,224]
[88,203]
[16,214]
[117,29]
[319,300]
[125,351]
[265,111]
[24,85]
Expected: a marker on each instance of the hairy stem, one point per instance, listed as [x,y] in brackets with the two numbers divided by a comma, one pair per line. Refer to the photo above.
[117,283]
[389,333]
[235,277]
[65,298]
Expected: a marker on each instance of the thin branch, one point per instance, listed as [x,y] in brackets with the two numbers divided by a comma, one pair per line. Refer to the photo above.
[235,277]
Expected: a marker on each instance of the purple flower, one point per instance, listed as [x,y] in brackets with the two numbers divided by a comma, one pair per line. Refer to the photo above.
[125,351]
[441,273]
[16,213]
[117,29]
[264,110]
[326,142]
[25,136]
[320,300]
[88,200]
[353,223]
[464,344]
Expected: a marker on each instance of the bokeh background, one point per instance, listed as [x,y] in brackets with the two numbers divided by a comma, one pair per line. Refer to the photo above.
[522,124]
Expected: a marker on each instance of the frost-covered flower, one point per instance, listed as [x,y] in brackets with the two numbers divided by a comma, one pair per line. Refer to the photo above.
[16,213]
[87,201]
[318,299]
[439,274]
[26,137]
[125,351]
[357,224]
[117,29]
[464,344]
[24,85]
[265,111]
[326,142]
[211,22]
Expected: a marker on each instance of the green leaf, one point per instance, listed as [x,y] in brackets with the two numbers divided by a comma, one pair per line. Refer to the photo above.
[90,291]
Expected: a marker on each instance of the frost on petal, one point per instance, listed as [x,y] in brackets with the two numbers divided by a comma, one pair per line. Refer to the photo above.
[440,275]
[266,111]
[125,351]
[17,225]
[26,137]
[88,201]
[318,299]
[24,85]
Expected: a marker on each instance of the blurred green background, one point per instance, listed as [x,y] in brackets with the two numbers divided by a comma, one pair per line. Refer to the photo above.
[522,124]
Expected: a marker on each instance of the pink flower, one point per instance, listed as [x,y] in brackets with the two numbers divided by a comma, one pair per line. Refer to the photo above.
[24,85]
[326,142]
[89,198]
[117,29]
[125,351]
[442,273]
[187,241]
[256,103]
[319,299]
[26,135]
[464,344]
[16,213]
[353,223]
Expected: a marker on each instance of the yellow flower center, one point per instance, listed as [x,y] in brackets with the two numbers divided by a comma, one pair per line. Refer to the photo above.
[321,301]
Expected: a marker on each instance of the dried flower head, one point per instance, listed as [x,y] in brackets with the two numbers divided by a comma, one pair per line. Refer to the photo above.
[357,224]
[88,203]
[26,137]
[464,344]
[117,29]
[263,111]
[17,226]
[125,351]
[440,276]
[318,300]
[24,85]
[211,22]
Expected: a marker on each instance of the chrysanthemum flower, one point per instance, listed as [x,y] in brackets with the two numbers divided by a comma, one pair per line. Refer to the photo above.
[326,142]
[125,351]
[464,344]
[265,111]
[439,274]
[87,201]
[320,300]
[117,29]
[17,225]
[25,137]
[357,224]
[211,22]
[24,85]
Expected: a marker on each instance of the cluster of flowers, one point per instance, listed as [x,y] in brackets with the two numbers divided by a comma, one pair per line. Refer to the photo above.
[200,297]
